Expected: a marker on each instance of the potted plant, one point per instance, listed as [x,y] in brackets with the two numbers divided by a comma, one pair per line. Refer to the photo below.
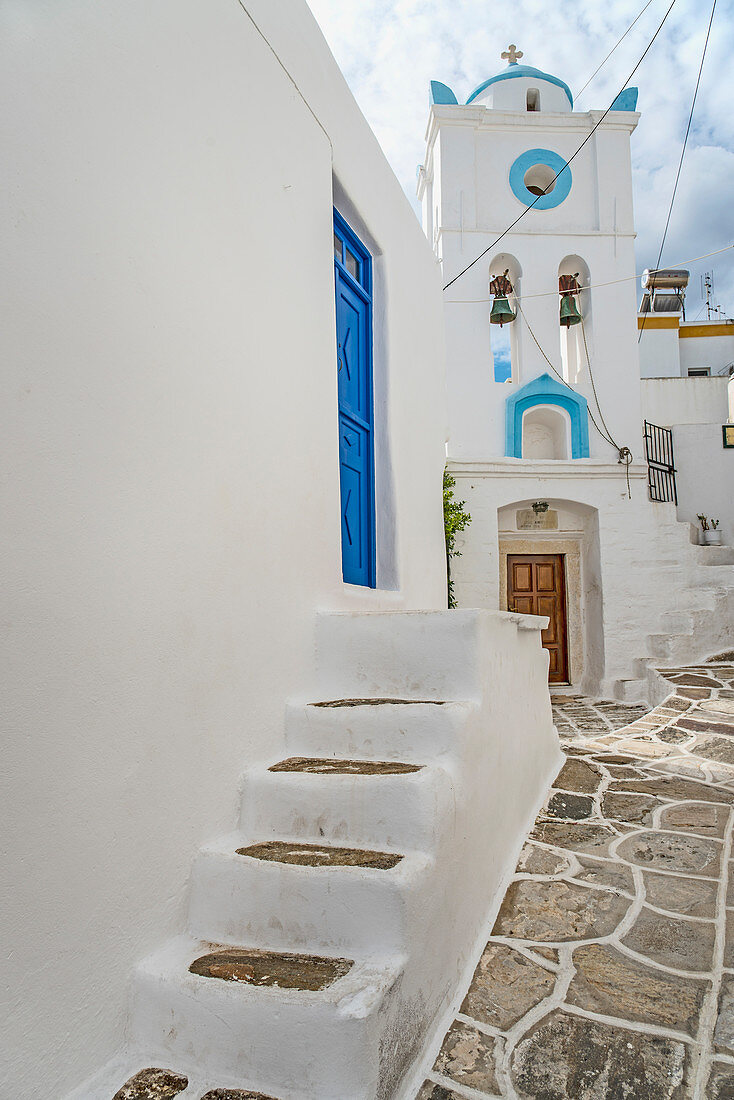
[711,533]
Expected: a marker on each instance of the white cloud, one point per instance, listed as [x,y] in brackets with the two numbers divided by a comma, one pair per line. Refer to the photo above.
[389,50]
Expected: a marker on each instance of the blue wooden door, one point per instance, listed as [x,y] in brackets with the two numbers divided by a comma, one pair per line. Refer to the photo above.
[353,269]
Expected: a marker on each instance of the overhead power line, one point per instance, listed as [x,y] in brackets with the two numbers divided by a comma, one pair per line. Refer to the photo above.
[570,159]
[617,43]
[682,154]
[593,286]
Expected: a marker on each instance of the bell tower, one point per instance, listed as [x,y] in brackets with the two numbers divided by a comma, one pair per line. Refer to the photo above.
[516,185]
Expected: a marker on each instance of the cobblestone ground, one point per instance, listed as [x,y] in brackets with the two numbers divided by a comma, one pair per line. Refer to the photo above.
[609,974]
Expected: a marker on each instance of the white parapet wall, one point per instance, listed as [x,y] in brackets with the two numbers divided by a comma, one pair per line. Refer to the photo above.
[668,401]
[460,698]
[705,476]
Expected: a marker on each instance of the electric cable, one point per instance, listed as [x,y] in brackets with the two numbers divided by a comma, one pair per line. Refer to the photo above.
[619,41]
[588,137]
[591,286]
[680,162]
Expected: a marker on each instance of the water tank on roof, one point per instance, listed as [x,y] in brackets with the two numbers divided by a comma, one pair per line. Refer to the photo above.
[665,278]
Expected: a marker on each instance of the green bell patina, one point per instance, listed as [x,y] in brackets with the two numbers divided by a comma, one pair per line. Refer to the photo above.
[569,311]
[501,312]
[569,288]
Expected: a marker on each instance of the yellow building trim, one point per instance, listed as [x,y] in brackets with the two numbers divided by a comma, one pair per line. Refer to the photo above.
[707,330]
[657,322]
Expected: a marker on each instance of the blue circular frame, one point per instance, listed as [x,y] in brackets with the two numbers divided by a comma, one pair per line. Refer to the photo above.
[553,161]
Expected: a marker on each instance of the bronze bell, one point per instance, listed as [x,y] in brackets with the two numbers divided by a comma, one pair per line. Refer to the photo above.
[501,313]
[569,287]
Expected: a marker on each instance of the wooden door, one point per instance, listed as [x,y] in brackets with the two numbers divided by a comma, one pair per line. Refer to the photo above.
[536,585]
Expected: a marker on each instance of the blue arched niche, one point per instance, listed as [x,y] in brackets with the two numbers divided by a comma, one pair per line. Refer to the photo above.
[546,391]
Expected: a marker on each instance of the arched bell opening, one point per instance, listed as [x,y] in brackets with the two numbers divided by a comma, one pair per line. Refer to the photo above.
[574,319]
[532,99]
[503,337]
[546,433]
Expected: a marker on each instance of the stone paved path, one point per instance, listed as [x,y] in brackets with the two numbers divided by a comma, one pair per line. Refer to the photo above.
[609,974]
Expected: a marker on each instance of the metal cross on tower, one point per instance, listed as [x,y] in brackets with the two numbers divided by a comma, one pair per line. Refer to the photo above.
[512,54]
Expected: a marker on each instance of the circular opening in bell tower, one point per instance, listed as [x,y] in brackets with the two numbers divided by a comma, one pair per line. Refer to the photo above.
[540,179]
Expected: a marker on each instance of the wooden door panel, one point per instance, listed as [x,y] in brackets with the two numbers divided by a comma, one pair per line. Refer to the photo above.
[522,577]
[546,577]
[536,586]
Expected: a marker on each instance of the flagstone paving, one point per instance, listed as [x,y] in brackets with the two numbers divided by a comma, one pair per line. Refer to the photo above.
[609,974]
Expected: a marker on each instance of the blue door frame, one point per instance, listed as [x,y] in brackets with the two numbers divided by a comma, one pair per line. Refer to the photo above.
[353,277]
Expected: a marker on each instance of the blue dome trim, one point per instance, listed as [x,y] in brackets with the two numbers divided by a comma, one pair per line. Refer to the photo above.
[513,71]
[626,100]
[442,95]
[546,391]
[553,161]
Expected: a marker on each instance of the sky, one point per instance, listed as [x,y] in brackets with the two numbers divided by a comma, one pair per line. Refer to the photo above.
[389,50]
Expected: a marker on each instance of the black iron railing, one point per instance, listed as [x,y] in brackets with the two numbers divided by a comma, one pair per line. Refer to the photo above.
[660,463]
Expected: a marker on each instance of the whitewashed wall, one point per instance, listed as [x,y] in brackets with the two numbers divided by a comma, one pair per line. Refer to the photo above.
[705,350]
[659,351]
[171,498]
[705,476]
[669,401]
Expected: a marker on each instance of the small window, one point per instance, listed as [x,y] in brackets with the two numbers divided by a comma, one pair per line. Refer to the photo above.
[699,372]
[533,99]
[351,263]
[347,256]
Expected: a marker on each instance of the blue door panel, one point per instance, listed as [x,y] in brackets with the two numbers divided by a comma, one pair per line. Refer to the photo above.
[354,389]
[352,265]
[355,488]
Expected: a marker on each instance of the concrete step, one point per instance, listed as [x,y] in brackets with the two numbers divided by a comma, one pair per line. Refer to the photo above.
[379,729]
[673,648]
[404,811]
[630,691]
[315,1034]
[707,575]
[338,900]
[714,555]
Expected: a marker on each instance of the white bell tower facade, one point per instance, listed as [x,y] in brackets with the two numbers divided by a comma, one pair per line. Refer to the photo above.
[545,428]
[502,157]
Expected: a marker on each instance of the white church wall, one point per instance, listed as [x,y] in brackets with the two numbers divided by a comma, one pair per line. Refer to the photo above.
[705,475]
[633,554]
[667,401]
[173,496]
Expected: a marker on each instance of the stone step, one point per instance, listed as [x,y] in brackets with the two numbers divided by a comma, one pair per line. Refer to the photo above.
[689,598]
[675,648]
[386,730]
[138,1076]
[363,803]
[286,895]
[630,691]
[714,555]
[281,1023]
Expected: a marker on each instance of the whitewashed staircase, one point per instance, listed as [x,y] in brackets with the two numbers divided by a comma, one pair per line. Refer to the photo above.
[699,623]
[398,859]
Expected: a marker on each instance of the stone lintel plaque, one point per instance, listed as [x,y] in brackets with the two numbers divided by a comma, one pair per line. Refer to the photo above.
[528,520]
